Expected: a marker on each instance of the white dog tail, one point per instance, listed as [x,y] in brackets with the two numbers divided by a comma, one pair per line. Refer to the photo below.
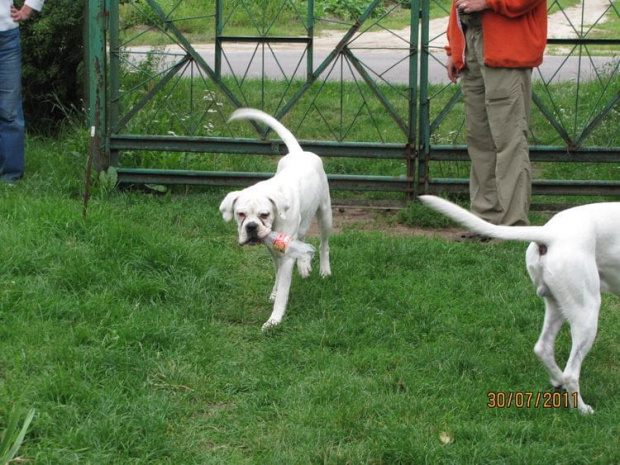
[472,222]
[286,136]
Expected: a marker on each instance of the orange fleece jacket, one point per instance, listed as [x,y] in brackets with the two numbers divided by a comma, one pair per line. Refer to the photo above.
[514,34]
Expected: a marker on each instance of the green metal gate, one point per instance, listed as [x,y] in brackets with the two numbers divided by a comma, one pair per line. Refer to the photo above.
[576,98]
[367,95]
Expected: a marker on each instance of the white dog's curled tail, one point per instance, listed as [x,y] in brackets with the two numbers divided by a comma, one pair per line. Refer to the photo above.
[472,222]
[286,135]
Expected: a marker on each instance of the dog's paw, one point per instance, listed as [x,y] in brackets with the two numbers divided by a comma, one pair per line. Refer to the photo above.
[585,409]
[304,268]
[270,324]
[557,382]
[325,271]
[274,292]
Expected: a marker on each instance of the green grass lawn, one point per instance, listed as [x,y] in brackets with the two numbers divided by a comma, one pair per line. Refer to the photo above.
[135,334]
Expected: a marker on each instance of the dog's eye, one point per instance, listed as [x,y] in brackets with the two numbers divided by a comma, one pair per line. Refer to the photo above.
[241,215]
[264,216]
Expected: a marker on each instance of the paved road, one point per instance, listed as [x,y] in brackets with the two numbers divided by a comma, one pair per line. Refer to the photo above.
[391,65]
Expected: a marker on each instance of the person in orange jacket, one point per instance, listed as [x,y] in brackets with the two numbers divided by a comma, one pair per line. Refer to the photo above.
[493,46]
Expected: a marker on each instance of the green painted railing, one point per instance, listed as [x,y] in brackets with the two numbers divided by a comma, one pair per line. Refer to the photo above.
[391,125]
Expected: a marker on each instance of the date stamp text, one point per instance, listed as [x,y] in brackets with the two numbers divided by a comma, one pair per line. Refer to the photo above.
[530,399]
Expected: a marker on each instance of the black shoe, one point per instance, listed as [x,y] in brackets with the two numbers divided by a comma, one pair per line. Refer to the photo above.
[469,236]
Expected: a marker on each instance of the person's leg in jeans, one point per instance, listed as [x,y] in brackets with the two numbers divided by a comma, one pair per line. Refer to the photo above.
[11,113]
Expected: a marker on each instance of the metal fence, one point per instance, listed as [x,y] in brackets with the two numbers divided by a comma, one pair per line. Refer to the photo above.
[368,92]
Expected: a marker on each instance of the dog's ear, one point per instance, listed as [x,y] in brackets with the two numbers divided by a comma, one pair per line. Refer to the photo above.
[228,204]
[280,201]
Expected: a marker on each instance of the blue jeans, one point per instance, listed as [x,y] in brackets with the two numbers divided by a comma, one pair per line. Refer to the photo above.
[11,112]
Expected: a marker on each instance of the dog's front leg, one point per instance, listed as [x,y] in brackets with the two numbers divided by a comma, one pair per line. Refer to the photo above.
[276,261]
[304,265]
[284,275]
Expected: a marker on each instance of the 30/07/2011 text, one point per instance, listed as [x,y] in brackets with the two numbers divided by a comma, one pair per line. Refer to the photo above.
[526,399]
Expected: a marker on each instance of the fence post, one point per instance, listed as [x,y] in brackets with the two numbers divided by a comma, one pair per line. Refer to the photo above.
[413,136]
[95,61]
[424,110]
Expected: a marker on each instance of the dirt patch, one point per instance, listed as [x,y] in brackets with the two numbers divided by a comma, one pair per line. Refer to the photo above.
[353,218]
[384,219]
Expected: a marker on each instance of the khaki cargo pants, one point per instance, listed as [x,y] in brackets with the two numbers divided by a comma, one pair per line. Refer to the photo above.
[497,114]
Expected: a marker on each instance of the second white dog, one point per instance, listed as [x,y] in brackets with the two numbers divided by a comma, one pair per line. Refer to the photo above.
[571,260]
[287,202]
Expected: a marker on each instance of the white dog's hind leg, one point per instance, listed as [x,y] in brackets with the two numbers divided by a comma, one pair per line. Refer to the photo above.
[583,332]
[324,220]
[283,286]
[545,346]
[580,302]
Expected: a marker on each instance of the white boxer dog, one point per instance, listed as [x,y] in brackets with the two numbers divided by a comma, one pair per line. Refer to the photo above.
[571,260]
[287,203]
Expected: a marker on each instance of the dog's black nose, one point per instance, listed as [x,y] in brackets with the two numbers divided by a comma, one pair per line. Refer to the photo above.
[251,228]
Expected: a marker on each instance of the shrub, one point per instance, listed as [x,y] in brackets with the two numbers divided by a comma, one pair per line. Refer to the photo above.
[53,57]
[345,10]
